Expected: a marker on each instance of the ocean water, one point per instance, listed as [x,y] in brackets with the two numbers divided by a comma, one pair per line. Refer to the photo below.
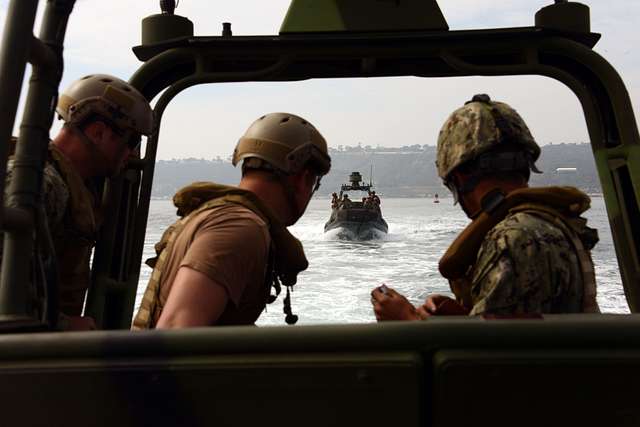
[336,287]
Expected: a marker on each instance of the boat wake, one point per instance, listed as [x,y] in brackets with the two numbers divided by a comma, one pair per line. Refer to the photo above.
[351,235]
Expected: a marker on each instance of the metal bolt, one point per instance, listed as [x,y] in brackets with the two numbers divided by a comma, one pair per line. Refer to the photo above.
[226,29]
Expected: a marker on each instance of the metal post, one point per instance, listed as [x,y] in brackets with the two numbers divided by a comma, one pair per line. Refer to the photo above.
[16,283]
[16,39]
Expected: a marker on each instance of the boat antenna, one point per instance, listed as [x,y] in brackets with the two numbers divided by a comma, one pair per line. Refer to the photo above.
[371,175]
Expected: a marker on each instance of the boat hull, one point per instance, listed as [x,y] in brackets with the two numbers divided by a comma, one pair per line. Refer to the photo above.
[357,224]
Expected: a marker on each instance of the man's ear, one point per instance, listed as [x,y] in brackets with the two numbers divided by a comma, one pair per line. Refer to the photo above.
[95,130]
[301,180]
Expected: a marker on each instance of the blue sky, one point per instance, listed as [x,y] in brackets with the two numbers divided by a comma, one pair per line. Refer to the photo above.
[206,121]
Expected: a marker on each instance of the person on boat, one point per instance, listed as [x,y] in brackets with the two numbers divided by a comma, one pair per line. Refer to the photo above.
[527,250]
[334,201]
[367,202]
[346,202]
[375,199]
[104,118]
[218,264]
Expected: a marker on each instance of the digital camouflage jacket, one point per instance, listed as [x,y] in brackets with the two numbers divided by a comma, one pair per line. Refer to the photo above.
[530,257]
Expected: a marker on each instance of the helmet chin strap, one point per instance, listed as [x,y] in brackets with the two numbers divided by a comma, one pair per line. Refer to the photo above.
[488,204]
[290,195]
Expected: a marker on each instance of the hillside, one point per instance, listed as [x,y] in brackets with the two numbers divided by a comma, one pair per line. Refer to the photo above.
[399,172]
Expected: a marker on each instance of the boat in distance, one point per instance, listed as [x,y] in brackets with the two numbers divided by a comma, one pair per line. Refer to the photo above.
[356,219]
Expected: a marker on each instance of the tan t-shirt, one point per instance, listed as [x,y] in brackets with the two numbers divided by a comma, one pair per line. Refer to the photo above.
[229,244]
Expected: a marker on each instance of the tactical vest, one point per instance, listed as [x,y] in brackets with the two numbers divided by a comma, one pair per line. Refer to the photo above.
[560,206]
[75,237]
[286,253]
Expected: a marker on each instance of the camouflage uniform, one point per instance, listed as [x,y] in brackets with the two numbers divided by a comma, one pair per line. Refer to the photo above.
[55,193]
[526,265]
[54,189]
[72,218]
[526,251]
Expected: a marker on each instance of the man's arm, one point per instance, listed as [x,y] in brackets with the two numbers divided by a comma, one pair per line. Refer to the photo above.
[194,300]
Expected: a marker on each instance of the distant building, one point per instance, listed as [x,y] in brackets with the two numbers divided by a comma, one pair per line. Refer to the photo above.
[566,176]
[566,170]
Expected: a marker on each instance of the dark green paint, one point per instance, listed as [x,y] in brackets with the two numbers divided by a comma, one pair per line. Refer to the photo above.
[448,371]
[311,16]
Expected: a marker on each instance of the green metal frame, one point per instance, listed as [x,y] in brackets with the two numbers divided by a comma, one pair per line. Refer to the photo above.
[568,58]
[306,16]
[565,370]
[180,63]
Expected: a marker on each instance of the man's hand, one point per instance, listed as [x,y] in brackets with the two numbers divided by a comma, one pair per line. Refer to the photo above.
[390,305]
[441,305]
[76,323]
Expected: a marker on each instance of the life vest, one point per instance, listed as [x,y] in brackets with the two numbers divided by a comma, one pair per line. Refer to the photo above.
[75,237]
[561,206]
[287,255]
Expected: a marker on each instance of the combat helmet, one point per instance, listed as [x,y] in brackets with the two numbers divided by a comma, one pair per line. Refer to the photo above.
[487,134]
[284,142]
[108,97]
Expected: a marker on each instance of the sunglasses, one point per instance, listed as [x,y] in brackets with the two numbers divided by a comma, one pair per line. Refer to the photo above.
[133,141]
[131,137]
[454,190]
